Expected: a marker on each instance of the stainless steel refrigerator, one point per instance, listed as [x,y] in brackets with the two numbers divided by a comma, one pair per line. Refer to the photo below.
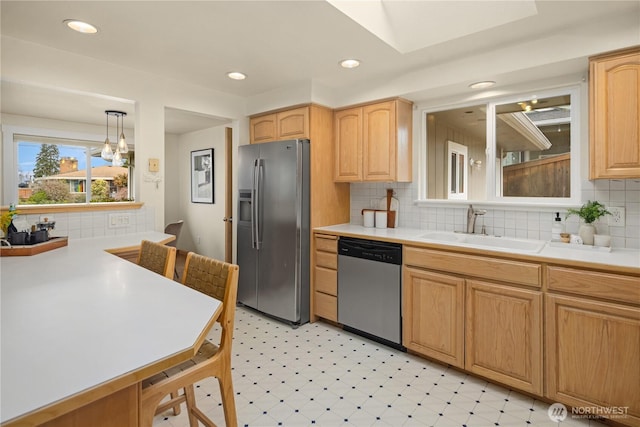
[273,229]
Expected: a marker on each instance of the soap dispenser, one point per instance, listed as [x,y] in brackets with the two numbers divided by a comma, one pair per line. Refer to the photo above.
[557,228]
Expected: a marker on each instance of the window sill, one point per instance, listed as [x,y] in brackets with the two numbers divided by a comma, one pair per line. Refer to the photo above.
[64,208]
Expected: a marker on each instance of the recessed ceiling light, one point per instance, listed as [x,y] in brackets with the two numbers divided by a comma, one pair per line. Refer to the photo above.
[482,85]
[80,26]
[349,63]
[236,75]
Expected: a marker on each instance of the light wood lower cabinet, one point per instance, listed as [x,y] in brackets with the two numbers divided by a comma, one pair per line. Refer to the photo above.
[489,328]
[504,334]
[325,277]
[433,318]
[592,353]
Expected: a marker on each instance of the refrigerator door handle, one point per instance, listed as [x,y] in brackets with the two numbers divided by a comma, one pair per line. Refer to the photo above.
[254,217]
[257,205]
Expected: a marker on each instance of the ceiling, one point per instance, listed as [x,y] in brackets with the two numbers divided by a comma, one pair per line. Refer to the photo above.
[280,44]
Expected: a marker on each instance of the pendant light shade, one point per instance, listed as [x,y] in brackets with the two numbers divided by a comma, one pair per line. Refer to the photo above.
[122,143]
[117,159]
[106,152]
[121,146]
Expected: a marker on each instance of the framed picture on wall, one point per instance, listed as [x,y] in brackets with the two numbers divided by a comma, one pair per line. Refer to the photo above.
[202,176]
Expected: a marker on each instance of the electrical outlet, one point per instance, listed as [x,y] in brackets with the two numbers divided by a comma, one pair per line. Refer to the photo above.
[118,220]
[616,219]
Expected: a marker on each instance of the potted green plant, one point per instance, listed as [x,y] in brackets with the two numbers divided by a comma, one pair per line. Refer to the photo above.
[589,213]
[6,219]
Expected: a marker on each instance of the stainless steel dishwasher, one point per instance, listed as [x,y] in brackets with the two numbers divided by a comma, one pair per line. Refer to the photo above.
[369,289]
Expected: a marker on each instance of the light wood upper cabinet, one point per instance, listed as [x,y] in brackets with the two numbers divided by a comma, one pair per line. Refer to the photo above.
[348,144]
[592,350]
[373,142]
[504,334]
[293,124]
[263,128]
[283,125]
[614,111]
[433,315]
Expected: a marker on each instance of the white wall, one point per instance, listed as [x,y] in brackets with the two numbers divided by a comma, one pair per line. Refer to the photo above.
[203,229]
[40,65]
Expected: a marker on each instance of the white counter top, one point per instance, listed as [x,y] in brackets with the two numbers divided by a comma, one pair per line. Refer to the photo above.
[617,257]
[76,317]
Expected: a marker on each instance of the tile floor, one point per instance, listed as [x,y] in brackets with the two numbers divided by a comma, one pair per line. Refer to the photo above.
[319,375]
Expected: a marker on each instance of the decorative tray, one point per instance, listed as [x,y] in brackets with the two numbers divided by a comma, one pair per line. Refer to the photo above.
[28,250]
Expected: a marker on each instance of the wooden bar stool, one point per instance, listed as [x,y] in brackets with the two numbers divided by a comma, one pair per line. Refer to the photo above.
[219,280]
[158,258]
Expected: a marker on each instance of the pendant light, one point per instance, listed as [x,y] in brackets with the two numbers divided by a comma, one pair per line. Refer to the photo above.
[122,143]
[121,146]
[106,152]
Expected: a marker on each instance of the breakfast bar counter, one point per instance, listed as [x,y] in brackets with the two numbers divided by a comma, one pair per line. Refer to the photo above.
[81,328]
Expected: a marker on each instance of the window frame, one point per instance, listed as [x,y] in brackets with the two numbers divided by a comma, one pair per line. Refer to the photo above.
[577,151]
[10,163]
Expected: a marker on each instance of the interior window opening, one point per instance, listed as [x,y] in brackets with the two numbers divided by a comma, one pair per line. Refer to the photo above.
[519,150]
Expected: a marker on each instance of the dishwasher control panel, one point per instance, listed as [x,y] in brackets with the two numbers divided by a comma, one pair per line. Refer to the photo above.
[390,253]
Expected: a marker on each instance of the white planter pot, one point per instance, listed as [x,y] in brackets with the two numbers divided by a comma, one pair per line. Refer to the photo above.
[586,233]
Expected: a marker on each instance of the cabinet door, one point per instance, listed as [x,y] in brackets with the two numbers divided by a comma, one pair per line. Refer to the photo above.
[293,124]
[348,144]
[263,129]
[504,334]
[433,315]
[593,354]
[379,142]
[614,111]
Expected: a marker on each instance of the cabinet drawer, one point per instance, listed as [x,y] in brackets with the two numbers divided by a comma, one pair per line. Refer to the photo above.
[326,259]
[327,244]
[326,306]
[608,286]
[523,273]
[326,280]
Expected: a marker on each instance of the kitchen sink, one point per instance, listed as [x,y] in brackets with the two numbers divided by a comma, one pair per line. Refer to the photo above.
[490,242]
[443,236]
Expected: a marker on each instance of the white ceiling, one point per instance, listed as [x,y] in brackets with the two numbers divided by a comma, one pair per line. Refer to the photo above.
[280,44]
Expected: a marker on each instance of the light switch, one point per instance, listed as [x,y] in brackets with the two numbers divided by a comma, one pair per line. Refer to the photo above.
[154,165]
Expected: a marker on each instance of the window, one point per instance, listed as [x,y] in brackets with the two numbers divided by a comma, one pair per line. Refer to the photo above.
[524,149]
[64,171]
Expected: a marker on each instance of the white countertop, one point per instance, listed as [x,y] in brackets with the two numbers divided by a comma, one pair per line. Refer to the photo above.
[76,317]
[617,257]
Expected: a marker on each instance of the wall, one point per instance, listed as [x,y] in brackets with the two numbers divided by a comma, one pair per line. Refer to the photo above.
[203,229]
[529,223]
[40,65]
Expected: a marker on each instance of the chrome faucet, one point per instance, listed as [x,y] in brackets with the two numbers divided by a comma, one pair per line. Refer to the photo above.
[472,214]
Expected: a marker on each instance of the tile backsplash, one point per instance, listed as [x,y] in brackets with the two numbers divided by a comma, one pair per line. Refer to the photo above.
[523,223]
[92,224]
